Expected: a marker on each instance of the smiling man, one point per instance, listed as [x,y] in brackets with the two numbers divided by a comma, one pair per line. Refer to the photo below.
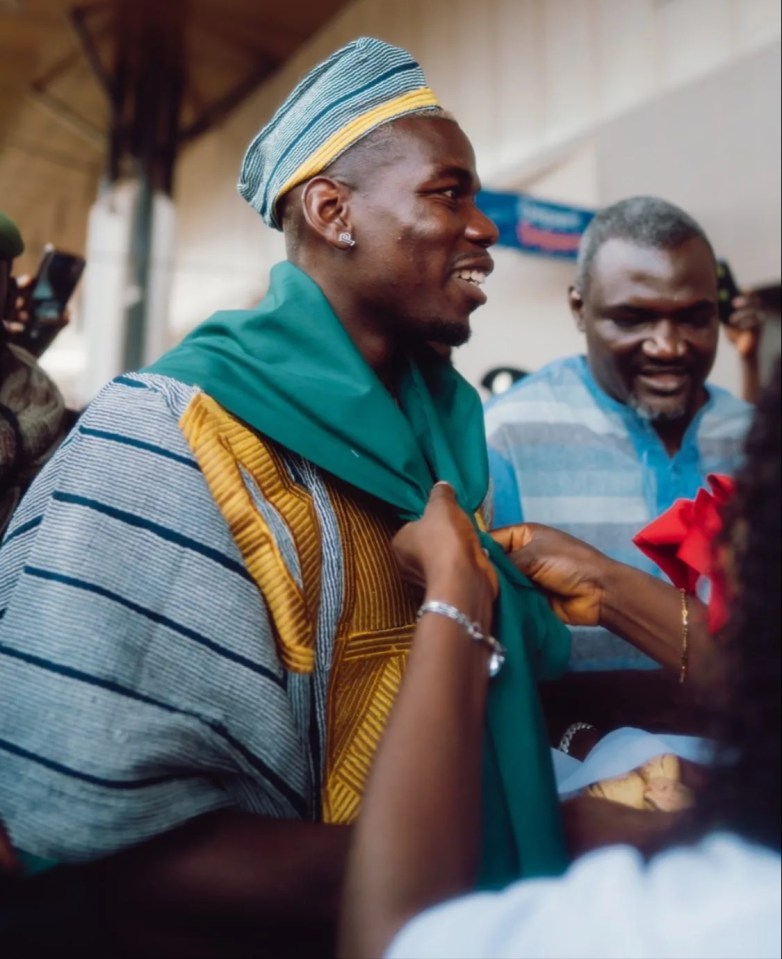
[203,624]
[598,445]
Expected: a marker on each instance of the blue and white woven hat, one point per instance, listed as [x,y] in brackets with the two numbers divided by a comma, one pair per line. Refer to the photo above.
[364,84]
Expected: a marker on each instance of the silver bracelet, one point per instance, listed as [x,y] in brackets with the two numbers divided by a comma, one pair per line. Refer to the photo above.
[497,657]
[570,732]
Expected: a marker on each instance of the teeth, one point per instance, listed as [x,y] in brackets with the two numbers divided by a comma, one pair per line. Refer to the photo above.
[472,276]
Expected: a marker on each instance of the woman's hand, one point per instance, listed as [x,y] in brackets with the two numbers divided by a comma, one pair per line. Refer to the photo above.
[569,572]
[441,551]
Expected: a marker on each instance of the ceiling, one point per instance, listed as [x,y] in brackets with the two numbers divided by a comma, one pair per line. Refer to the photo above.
[58,71]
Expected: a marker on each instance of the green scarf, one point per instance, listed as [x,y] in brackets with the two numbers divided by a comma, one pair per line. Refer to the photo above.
[290,371]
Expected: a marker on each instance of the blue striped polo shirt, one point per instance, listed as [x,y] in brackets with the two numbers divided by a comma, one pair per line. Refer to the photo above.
[564,453]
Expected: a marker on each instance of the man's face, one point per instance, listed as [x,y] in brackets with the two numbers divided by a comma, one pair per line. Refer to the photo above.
[421,242]
[651,325]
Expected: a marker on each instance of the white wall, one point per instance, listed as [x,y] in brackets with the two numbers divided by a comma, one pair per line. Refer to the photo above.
[726,128]
[712,146]
[537,85]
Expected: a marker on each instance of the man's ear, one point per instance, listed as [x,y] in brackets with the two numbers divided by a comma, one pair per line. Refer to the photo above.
[576,301]
[326,206]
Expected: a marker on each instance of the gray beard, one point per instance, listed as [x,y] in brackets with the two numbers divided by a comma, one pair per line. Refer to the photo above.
[657,416]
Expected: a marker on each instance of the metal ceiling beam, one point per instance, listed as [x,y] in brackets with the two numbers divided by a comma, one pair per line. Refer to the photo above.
[68,116]
[77,17]
[216,111]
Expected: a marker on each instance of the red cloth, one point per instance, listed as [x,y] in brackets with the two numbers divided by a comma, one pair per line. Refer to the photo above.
[682,543]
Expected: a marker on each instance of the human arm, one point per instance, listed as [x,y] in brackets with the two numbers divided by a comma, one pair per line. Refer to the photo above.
[409,852]
[228,883]
[587,588]
[744,329]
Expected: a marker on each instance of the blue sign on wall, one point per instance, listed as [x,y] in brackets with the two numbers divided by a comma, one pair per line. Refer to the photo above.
[536,226]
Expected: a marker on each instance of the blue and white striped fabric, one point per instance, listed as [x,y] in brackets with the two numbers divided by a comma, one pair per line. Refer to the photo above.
[139,680]
[564,453]
[362,85]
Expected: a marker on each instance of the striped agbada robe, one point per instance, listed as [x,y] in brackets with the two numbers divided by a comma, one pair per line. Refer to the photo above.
[104,744]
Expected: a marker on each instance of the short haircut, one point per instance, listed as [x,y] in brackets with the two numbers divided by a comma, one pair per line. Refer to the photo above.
[370,149]
[366,155]
[645,220]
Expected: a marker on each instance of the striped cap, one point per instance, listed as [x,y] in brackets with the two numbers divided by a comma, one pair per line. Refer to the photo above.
[358,88]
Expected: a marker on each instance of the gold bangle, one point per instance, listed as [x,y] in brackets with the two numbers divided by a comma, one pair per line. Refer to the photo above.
[685,660]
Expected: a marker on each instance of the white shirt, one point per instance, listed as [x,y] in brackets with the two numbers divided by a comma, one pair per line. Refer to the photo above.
[719,898]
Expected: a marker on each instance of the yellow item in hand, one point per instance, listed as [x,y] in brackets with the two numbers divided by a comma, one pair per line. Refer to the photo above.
[654,785]
[627,790]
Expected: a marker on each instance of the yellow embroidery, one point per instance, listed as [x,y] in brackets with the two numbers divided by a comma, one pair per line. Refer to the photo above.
[223,447]
[373,639]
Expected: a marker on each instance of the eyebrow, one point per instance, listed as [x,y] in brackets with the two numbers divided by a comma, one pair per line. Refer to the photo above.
[465,176]
[702,304]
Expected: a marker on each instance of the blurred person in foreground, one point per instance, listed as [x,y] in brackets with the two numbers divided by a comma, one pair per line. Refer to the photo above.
[712,886]
[600,444]
[33,417]
[204,626]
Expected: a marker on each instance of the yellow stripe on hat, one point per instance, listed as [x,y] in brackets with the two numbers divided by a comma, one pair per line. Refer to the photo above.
[339,142]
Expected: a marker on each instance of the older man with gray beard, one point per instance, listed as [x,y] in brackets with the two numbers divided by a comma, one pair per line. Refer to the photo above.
[598,445]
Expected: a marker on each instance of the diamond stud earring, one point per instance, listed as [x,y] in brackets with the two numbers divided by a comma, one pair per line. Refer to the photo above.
[347,238]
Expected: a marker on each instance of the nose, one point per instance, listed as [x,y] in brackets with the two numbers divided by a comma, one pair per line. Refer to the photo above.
[480,229]
[665,341]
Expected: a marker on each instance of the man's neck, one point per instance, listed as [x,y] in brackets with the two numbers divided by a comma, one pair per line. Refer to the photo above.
[671,433]
[372,341]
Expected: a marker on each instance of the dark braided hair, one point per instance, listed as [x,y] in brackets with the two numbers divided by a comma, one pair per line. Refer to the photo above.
[744,791]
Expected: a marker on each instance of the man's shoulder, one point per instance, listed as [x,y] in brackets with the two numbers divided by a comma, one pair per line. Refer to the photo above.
[139,409]
[548,395]
[725,414]
[125,439]
[724,399]
[132,394]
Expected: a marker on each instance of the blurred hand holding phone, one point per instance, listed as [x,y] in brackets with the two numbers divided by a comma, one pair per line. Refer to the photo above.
[39,306]
[727,291]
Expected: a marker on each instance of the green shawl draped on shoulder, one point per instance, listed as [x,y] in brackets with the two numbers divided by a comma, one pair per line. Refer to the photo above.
[289,370]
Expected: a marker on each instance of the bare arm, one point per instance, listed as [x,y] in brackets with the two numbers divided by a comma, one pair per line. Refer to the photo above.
[412,851]
[587,588]
[231,877]
[228,883]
